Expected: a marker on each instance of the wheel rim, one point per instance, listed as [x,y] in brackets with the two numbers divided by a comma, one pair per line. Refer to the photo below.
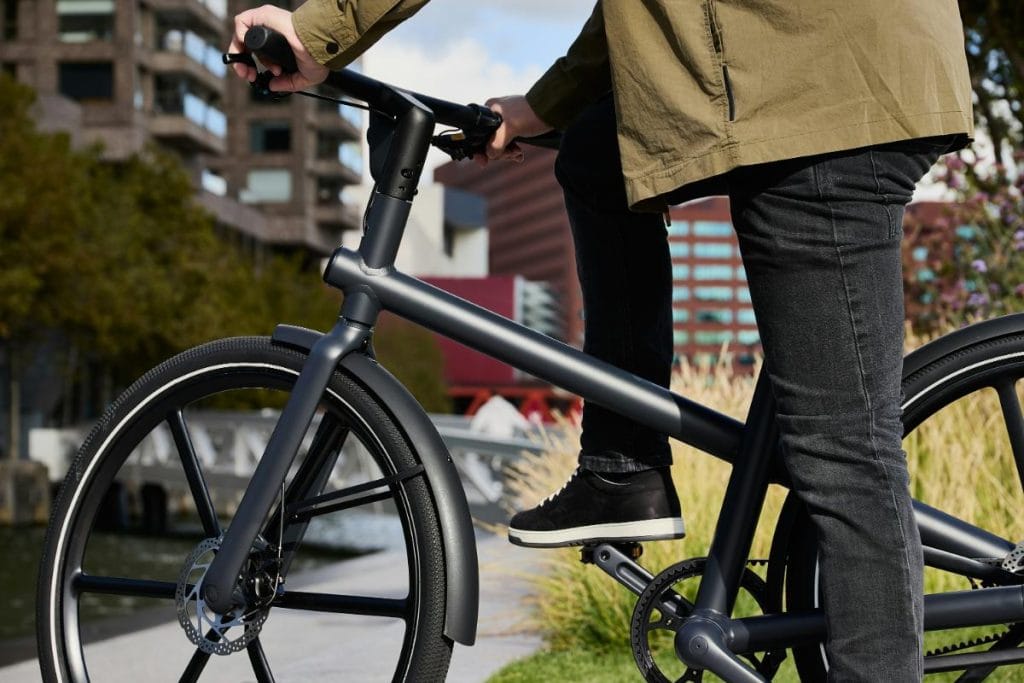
[173,399]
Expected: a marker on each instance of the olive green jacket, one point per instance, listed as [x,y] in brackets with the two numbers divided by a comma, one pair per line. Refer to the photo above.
[704,86]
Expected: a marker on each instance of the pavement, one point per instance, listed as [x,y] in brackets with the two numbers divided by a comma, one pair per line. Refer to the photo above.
[306,646]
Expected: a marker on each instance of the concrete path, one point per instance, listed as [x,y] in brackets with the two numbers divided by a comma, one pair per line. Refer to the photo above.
[328,647]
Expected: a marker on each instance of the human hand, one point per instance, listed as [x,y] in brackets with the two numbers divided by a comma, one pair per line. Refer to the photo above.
[517,120]
[310,72]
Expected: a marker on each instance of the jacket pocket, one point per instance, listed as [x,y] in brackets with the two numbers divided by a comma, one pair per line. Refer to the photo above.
[719,46]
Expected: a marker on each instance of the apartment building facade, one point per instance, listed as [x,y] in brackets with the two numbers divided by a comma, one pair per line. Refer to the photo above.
[127,73]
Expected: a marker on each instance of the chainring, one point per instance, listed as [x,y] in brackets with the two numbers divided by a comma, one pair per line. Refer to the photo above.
[673,609]
[206,629]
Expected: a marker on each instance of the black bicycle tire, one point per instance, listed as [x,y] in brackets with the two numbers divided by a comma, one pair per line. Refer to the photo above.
[925,391]
[426,652]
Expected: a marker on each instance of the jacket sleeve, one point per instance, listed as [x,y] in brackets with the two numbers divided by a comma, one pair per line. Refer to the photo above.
[576,80]
[335,32]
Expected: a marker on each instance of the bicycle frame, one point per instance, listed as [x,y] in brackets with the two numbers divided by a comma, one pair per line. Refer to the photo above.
[370,283]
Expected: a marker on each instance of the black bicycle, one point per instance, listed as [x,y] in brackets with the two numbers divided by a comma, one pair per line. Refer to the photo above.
[228,581]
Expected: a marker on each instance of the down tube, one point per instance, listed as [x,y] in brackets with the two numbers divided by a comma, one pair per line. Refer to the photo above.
[541,356]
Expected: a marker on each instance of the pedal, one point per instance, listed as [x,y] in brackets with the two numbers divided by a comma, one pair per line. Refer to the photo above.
[631,549]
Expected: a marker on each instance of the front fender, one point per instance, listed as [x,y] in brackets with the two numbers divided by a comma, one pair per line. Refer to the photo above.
[462,581]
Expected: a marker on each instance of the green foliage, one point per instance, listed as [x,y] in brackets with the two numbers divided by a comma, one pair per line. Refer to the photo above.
[120,262]
[414,357]
[974,249]
[994,32]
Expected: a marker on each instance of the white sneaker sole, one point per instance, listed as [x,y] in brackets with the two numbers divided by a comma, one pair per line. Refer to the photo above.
[647,530]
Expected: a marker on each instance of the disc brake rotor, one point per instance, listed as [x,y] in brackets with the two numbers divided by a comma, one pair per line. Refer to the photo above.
[206,629]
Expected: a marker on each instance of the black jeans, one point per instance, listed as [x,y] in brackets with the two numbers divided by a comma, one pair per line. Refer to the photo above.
[820,240]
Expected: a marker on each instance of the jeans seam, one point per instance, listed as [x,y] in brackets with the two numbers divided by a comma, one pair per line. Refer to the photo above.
[867,396]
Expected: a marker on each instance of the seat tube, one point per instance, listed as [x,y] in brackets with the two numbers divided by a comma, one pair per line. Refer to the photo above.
[741,507]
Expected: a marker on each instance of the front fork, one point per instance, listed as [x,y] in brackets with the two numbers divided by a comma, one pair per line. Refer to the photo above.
[220,582]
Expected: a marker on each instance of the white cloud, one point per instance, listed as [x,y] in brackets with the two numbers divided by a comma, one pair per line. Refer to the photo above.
[462,71]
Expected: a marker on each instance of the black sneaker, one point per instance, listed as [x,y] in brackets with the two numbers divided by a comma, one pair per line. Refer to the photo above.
[591,508]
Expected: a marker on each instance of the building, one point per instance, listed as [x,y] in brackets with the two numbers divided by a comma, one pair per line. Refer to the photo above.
[130,72]
[529,231]
[530,236]
[711,308]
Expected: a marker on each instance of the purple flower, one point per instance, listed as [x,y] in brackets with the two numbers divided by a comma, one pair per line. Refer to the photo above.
[979,265]
[977,300]
[1019,236]
[1019,289]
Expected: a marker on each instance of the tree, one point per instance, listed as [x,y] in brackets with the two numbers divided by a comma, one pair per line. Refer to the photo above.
[115,264]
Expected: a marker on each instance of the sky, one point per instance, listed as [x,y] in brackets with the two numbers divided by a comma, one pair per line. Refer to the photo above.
[468,51]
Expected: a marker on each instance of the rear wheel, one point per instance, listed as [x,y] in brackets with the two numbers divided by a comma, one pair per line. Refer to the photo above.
[964,438]
[151,491]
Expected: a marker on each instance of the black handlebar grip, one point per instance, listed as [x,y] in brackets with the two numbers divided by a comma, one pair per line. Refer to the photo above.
[271,47]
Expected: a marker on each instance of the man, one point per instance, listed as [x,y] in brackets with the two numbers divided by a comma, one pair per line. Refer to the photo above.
[816,118]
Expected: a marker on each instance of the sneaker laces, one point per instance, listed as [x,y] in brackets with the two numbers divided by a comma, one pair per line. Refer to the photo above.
[564,486]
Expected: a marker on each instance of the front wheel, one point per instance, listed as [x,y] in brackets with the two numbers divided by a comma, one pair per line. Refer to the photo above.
[964,439]
[149,494]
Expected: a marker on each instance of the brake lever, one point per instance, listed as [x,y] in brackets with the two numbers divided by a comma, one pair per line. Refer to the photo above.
[262,83]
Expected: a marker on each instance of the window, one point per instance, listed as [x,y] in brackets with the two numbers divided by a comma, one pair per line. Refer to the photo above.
[748,337]
[680,337]
[679,228]
[82,21]
[741,273]
[328,191]
[270,136]
[712,229]
[10,68]
[10,23]
[712,272]
[680,272]
[680,315]
[712,336]
[214,183]
[713,293]
[87,81]
[746,316]
[966,232]
[678,249]
[713,250]
[716,315]
[351,156]
[267,185]
[680,293]
[743,294]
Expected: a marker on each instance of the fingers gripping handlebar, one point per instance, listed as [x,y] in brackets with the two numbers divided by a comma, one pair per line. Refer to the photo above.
[476,123]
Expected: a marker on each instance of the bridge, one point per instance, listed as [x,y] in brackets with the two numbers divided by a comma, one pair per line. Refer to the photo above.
[228,445]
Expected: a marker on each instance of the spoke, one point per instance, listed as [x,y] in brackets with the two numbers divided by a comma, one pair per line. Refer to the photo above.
[1014,419]
[194,474]
[258,658]
[344,604]
[336,500]
[113,585]
[198,662]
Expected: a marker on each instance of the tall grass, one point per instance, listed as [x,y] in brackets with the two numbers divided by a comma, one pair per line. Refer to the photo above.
[960,462]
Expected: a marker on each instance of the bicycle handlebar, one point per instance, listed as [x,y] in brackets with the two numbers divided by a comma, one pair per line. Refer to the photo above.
[477,122]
